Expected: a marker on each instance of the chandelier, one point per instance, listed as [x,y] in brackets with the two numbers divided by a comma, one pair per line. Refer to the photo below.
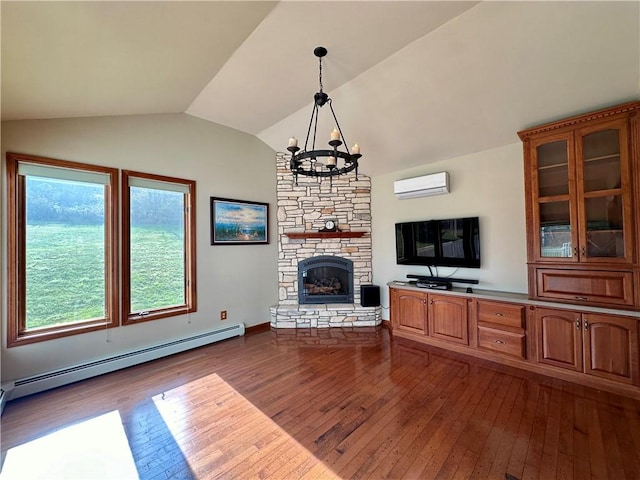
[322,163]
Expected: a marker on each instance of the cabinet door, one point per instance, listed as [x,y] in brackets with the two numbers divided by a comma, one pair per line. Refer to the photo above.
[409,311]
[611,347]
[448,318]
[559,334]
[604,193]
[551,174]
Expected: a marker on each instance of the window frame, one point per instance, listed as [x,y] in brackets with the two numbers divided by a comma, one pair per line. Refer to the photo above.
[190,305]
[17,333]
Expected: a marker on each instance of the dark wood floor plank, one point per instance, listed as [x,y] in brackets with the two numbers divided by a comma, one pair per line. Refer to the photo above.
[582,461]
[500,463]
[349,404]
[523,437]
[487,444]
[445,427]
[610,443]
[598,463]
[549,463]
[468,402]
[564,469]
[624,434]
[536,445]
[405,438]
[474,433]
[402,427]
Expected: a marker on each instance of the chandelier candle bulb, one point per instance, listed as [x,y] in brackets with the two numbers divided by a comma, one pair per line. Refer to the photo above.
[293,142]
[355,149]
[331,161]
[335,135]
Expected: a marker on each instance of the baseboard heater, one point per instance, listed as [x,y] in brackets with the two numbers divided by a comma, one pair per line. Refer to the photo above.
[57,378]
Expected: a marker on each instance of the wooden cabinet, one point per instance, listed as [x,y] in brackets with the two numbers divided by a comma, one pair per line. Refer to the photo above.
[448,318]
[409,311]
[596,349]
[501,328]
[580,200]
[596,344]
[438,316]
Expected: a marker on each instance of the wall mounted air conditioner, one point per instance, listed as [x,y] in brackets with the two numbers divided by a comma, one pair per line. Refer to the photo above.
[434,184]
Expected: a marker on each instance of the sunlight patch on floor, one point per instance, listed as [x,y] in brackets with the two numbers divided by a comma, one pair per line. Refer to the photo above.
[93,449]
[238,440]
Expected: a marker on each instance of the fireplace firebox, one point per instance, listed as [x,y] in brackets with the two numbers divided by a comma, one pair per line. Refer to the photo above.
[325,279]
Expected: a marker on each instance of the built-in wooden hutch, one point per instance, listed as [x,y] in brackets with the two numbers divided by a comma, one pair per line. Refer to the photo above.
[580,319]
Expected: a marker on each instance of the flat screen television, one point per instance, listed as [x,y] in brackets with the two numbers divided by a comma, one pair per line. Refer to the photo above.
[452,242]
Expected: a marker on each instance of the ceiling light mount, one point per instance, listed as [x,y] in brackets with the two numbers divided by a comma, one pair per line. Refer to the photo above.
[305,161]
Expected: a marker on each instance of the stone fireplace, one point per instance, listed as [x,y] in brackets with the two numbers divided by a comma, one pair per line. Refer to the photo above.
[302,210]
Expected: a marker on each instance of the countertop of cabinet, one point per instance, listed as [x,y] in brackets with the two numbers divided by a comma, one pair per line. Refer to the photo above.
[512,297]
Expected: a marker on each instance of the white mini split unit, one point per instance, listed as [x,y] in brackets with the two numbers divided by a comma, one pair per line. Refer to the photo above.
[434,184]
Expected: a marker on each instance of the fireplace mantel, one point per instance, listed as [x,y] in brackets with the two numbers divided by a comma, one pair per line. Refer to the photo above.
[325,234]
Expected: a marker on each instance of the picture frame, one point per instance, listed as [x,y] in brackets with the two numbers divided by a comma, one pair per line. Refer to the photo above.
[239,222]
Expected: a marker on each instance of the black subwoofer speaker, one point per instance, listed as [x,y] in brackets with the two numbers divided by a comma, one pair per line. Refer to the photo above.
[370,295]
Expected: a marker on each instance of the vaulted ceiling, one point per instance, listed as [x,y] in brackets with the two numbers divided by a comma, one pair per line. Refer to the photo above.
[411,82]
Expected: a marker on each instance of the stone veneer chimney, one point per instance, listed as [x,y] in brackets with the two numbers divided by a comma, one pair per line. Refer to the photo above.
[304,208]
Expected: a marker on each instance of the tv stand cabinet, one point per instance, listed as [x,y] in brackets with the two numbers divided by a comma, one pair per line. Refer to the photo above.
[593,346]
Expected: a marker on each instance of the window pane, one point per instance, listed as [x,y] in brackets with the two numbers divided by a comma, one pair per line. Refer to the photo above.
[555,230]
[602,160]
[65,252]
[605,234]
[553,169]
[157,246]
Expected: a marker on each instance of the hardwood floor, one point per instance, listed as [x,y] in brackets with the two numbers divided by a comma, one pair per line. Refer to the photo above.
[334,403]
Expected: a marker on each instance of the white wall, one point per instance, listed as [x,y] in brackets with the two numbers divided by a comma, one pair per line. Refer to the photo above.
[487,184]
[224,163]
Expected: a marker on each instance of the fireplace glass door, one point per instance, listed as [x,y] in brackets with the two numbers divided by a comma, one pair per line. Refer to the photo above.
[325,279]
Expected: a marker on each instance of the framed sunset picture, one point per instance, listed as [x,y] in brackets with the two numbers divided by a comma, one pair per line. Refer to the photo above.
[239,222]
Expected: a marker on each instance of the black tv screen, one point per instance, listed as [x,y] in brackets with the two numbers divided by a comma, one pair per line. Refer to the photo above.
[453,242]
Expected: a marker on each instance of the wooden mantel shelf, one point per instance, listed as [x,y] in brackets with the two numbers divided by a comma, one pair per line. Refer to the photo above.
[324,234]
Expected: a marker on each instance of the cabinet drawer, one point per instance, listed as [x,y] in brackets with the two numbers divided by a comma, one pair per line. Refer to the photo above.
[588,286]
[499,313]
[501,341]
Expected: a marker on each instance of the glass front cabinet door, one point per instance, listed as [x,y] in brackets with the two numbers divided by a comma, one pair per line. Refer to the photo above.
[554,206]
[604,200]
[581,195]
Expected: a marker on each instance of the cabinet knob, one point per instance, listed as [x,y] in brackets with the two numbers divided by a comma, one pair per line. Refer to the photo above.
[498,314]
[584,252]
[575,251]
[586,324]
[582,298]
[500,342]
[577,324]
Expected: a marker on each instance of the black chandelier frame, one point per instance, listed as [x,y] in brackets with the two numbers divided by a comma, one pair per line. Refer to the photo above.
[306,161]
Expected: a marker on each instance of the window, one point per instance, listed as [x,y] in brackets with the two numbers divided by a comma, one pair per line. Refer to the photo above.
[62,247]
[158,216]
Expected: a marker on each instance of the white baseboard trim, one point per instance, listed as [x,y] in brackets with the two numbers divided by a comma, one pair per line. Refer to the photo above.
[58,378]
